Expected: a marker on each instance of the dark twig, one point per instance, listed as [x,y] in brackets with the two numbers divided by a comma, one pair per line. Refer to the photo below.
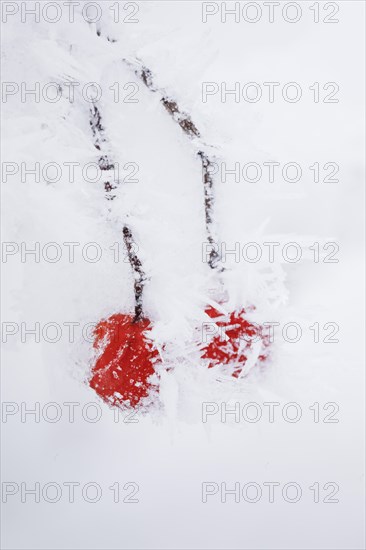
[184,120]
[139,274]
[100,143]
[214,258]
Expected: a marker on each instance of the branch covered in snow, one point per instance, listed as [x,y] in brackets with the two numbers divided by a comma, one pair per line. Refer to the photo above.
[139,274]
[214,258]
[190,129]
[105,164]
[100,143]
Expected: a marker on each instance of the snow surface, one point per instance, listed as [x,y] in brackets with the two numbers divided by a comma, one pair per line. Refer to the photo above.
[169,452]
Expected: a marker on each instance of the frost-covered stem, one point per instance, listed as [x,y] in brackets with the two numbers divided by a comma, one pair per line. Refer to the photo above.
[100,143]
[191,130]
[214,258]
[138,272]
[182,118]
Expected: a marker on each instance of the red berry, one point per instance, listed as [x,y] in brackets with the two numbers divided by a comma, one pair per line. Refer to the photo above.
[121,374]
[236,342]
